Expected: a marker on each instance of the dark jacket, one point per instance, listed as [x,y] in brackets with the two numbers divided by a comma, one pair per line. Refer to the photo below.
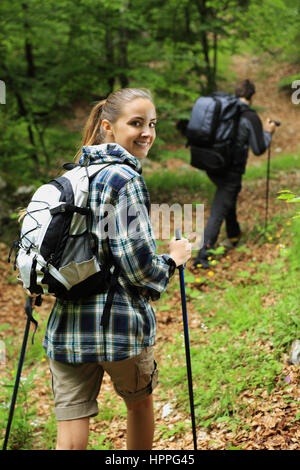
[250,135]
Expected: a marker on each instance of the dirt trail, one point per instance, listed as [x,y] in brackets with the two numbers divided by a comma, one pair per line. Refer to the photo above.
[271,102]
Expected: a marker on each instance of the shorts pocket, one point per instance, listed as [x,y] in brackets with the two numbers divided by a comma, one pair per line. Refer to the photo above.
[154,377]
[147,372]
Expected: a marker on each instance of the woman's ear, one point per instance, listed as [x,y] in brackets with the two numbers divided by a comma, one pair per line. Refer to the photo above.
[107,127]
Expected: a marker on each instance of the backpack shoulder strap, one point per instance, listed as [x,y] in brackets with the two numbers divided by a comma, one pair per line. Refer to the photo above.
[91,169]
[215,121]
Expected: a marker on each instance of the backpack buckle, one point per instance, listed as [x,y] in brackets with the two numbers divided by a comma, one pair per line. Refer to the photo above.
[58,209]
[14,248]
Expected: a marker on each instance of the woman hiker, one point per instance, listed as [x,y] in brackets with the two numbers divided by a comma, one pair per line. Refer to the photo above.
[120,132]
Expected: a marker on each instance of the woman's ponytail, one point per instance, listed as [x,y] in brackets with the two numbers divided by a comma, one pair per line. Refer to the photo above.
[92,130]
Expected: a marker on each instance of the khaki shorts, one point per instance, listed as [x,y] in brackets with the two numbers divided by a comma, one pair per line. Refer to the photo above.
[76,386]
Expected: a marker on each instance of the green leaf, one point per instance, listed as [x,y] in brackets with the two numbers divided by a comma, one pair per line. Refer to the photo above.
[286,196]
[295,199]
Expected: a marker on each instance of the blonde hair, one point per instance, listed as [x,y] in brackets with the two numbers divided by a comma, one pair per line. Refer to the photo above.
[110,109]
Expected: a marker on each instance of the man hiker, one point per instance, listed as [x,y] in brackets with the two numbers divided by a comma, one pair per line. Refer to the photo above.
[250,133]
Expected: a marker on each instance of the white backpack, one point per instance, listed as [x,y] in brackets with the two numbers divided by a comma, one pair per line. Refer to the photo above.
[55,253]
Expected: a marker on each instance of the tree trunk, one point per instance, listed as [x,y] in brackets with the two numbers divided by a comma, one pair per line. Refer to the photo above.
[28,52]
[210,70]
[28,45]
[123,46]
[215,56]
[24,113]
[123,58]
[110,59]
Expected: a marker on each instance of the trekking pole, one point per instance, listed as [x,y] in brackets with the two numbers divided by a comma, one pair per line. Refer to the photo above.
[277,123]
[267,187]
[28,311]
[187,345]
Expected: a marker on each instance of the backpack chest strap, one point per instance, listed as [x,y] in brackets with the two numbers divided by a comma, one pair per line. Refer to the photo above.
[64,207]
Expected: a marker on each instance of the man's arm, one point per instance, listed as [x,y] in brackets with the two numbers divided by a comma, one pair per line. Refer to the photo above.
[259,139]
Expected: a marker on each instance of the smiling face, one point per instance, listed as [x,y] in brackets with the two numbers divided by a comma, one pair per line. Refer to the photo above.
[134,129]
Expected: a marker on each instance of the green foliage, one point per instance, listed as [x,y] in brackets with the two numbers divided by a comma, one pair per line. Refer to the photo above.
[178,49]
[220,250]
[283,162]
[195,182]
[287,82]
[172,48]
[165,432]
[22,430]
[102,443]
[272,26]
[289,197]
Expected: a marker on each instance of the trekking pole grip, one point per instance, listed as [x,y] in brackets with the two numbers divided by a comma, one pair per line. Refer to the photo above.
[178,237]
[178,234]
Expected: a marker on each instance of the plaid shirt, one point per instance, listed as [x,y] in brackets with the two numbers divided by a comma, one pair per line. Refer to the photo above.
[74,333]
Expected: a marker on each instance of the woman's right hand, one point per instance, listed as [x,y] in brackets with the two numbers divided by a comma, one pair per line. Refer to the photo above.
[180,250]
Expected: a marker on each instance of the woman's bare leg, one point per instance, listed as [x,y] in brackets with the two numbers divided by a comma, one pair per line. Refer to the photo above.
[73,434]
[140,424]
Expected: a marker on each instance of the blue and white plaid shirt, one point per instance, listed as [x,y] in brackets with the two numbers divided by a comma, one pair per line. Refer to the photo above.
[74,333]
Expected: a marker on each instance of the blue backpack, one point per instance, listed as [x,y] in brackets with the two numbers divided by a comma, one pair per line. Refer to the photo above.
[212,130]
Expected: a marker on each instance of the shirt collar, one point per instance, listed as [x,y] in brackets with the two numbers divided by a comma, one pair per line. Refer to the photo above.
[108,153]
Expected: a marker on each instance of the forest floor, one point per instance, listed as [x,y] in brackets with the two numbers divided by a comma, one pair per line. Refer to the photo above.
[266,429]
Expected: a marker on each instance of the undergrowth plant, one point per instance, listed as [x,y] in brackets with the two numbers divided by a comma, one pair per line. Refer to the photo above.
[22,428]
[25,432]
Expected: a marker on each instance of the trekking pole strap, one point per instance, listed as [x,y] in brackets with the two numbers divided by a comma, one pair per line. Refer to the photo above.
[110,296]
[28,311]
[64,207]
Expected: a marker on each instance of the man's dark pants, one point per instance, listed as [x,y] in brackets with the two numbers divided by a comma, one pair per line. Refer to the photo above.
[223,208]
